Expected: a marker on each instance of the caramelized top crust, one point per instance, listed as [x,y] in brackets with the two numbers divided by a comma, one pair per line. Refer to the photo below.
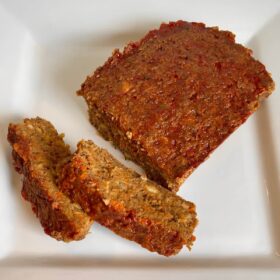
[179,92]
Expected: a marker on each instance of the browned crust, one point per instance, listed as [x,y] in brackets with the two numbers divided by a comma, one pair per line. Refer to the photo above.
[172,98]
[133,207]
[60,218]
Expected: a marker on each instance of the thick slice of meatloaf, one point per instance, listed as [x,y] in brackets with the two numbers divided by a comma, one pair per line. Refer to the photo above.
[128,204]
[39,153]
[170,99]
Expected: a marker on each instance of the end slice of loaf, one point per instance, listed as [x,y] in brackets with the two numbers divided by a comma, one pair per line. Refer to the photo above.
[39,152]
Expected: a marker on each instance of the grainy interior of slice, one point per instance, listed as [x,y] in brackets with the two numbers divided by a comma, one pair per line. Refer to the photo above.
[130,205]
[118,183]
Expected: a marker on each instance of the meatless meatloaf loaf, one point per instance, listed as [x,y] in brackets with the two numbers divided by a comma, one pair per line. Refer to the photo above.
[128,204]
[39,153]
[170,99]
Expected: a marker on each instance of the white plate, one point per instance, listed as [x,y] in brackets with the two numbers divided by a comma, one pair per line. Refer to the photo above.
[47,48]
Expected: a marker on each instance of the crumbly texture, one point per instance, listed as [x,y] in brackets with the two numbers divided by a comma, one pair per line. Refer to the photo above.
[39,153]
[170,99]
[130,205]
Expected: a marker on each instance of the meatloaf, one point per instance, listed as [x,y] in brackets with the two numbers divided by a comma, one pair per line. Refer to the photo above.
[170,99]
[130,205]
[39,153]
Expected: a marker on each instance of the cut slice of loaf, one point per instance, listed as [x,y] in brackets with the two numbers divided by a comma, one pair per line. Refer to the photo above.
[39,152]
[128,204]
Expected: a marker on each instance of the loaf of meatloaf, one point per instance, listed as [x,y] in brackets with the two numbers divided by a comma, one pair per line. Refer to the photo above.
[39,153]
[170,99]
[128,204]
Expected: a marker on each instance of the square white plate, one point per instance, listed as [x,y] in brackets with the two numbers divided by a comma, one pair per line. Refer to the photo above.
[47,48]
